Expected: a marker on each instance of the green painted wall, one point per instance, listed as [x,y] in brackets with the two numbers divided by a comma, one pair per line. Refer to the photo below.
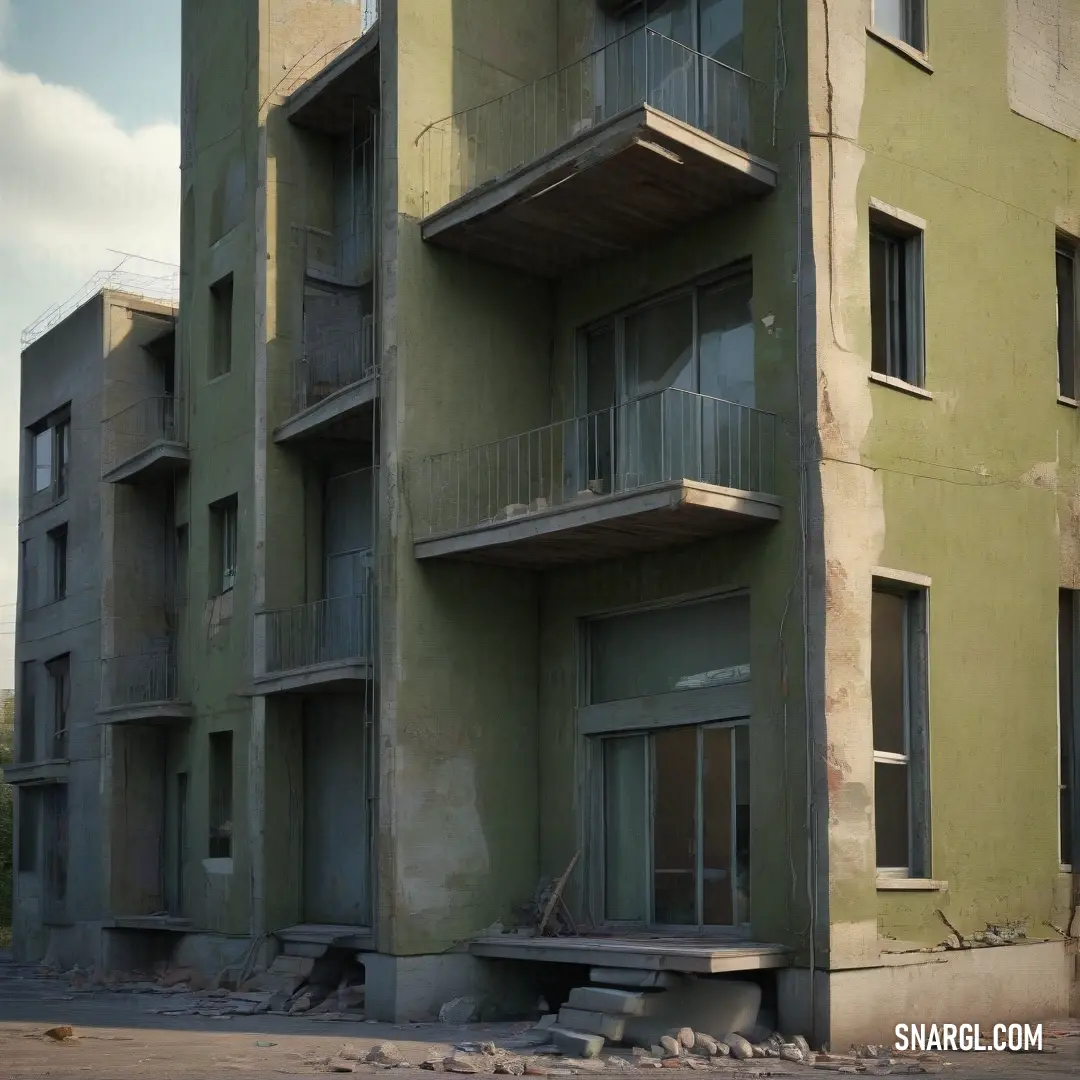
[974,488]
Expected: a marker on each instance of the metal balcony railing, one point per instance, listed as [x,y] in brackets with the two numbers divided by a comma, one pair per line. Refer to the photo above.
[140,426]
[321,632]
[471,148]
[340,359]
[369,14]
[662,437]
[141,679]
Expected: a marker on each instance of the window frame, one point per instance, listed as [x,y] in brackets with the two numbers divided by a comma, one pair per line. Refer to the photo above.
[224,519]
[915,16]
[221,799]
[222,299]
[55,429]
[615,322]
[906,235]
[1069,731]
[916,756]
[58,671]
[58,562]
[596,834]
[1067,247]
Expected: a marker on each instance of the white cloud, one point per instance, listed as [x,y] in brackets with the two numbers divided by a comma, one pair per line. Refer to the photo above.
[73,184]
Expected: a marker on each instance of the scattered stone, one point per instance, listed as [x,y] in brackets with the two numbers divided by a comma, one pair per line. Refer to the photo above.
[510,1067]
[457,1064]
[546,1021]
[705,1045]
[459,1010]
[722,1049]
[340,1065]
[738,1046]
[760,1050]
[671,1063]
[61,1033]
[670,1045]
[384,1054]
[685,1036]
[802,1044]
[348,1052]
[301,1005]
[577,1043]
[790,1052]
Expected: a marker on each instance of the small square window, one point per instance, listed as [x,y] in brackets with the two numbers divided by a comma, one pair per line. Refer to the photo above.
[896,300]
[58,561]
[904,20]
[43,459]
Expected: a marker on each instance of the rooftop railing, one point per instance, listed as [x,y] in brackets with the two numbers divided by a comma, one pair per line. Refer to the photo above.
[141,679]
[474,147]
[321,632]
[140,426]
[339,360]
[666,436]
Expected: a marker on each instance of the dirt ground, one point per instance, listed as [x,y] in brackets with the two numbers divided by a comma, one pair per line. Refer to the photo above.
[124,1034]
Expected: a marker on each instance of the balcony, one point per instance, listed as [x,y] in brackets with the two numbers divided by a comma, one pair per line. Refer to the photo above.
[334,385]
[142,689]
[145,442]
[633,141]
[663,470]
[321,647]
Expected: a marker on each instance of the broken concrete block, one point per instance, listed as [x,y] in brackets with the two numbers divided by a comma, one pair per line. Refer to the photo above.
[722,1049]
[606,1000]
[670,1045]
[685,1037]
[510,1067]
[457,1064]
[738,1046]
[292,965]
[577,1043]
[595,1023]
[790,1052]
[459,1010]
[301,1005]
[384,1054]
[631,977]
[802,1044]
[546,1021]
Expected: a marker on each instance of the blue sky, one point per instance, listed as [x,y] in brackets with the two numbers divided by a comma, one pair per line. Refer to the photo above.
[89,125]
[125,54]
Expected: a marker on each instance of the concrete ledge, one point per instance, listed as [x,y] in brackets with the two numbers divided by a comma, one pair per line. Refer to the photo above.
[317,419]
[157,459]
[691,955]
[337,676]
[54,771]
[150,712]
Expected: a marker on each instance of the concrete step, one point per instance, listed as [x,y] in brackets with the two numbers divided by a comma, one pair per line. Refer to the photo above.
[576,1043]
[593,1023]
[631,977]
[603,999]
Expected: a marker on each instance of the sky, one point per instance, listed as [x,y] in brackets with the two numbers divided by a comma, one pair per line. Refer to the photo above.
[89,165]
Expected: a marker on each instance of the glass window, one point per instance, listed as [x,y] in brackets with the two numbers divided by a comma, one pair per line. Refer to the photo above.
[896,307]
[903,20]
[660,347]
[726,341]
[722,31]
[626,823]
[1066,321]
[686,647]
[221,794]
[43,459]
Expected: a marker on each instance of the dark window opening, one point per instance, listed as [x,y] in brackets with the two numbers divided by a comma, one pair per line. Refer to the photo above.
[896,315]
[221,794]
[221,327]
[58,561]
[1066,321]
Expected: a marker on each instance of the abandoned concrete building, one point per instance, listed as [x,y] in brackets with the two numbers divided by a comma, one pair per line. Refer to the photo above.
[571,454]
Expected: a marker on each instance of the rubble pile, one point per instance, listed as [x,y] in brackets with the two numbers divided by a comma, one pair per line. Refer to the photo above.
[291,986]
